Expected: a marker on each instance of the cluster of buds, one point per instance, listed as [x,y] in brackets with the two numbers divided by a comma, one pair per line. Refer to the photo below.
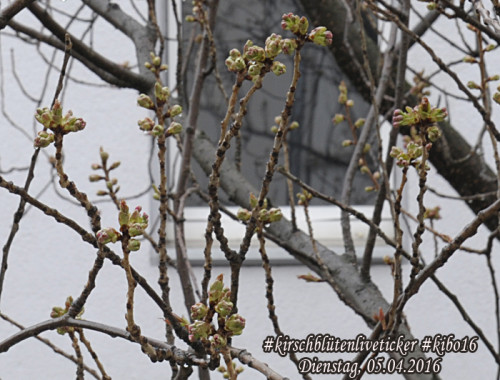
[293,125]
[422,116]
[219,308]
[132,223]
[160,105]
[295,24]
[235,61]
[432,213]
[343,99]
[423,132]
[197,12]
[58,311]
[155,65]
[273,46]
[162,95]
[321,36]
[43,139]
[410,157]
[304,197]
[54,120]
[265,215]
[225,372]
[256,58]
[110,182]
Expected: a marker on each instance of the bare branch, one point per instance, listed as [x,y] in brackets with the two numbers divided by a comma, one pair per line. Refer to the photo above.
[11,10]
[142,83]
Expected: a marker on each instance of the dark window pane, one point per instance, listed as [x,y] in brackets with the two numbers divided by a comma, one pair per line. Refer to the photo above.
[317,155]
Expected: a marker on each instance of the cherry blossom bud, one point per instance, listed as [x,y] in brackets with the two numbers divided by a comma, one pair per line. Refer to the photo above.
[108,235]
[244,214]
[434,133]
[198,330]
[364,169]
[473,85]
[359,123]
[43,140]
[175,110]
[303,25]
[255,53]
[275,215]
[321,36]
[199,311]
[133,245]
[123,215]
[57,312]
[215,292]
[104,155]
[146,124]
[469,59]
[496,97]
[338,118]
[218,341]
[288,46]
[145,101]
[157,130]
[273,45]
[254,70]
[115,165]
[253,200]
[224,307]
[278,68]
[235,324]
[174,128]
[95,177]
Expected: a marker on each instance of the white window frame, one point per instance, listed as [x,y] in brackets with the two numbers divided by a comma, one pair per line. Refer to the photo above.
[325,219]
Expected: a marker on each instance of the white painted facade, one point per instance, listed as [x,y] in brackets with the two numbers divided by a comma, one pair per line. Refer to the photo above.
[47,262]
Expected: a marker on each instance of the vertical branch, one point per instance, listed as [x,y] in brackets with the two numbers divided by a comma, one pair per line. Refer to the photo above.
[485,95]
[397,270]
[278,141]
[422,174]
[270,167]
[163,279]
[78,352]
[271,307]
[92,353]
[214,218]
[289,183]
[132,327]
[207,20]
[353,164]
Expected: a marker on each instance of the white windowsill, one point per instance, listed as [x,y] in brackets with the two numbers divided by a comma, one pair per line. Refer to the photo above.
[326,226]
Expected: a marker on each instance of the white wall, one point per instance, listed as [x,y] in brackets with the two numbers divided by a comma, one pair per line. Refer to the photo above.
[47,263]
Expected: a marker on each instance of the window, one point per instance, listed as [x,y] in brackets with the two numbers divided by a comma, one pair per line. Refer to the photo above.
[316,152]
